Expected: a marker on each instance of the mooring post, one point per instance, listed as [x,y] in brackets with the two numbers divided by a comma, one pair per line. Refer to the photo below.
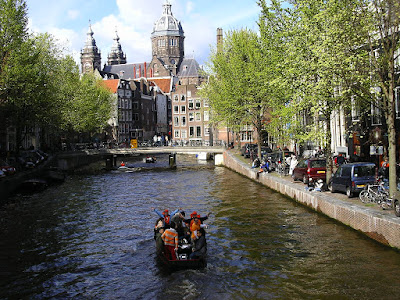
[172,160]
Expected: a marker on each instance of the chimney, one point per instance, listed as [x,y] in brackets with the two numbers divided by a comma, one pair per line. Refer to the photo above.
[220,39]
[145,69]
[140,70]
[134,71]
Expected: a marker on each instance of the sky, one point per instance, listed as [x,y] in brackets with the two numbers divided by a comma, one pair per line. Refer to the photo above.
[68,21]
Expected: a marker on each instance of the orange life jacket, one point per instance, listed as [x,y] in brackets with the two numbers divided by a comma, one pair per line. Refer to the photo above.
[170,237]
[166,220]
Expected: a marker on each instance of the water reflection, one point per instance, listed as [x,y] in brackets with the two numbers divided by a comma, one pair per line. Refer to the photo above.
[92,238]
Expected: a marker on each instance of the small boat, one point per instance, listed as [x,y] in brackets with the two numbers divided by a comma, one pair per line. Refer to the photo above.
[183,261]
[150,159]
[33,185]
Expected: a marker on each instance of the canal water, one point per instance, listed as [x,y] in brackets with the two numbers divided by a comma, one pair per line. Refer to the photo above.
[92,238]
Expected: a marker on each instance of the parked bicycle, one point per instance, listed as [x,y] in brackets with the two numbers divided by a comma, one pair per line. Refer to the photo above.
[375,193]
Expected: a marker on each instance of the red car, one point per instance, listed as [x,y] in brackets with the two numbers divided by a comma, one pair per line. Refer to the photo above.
[314,168]
[6,168]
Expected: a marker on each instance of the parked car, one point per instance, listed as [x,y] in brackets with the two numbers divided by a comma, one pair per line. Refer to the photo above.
[2,174]
[6,168]
[352,178]
[396,202]
[312,168]
[247,148]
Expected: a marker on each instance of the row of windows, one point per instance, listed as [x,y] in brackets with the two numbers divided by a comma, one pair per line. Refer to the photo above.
[122,93]
[124,103]
[124,116]
[194,132]
[181,120]
[171,42]
[182,97]
[124,128]
[192,104]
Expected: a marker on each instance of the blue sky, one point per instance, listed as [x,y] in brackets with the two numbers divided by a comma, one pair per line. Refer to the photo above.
[68,21]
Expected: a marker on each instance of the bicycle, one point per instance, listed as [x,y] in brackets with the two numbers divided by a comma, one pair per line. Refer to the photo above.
[375,193]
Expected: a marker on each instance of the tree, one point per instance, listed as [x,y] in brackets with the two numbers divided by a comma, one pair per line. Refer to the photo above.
[89,106]
[243,87]
[381,20]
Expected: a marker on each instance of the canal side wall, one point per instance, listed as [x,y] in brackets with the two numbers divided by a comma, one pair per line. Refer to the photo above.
[384,228]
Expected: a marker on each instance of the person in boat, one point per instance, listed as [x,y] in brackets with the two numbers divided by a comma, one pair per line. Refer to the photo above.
[195,215]
[159,241]
[158,226]
[200,245]
[178,219]
[166,216]
[170,239]
[195,227]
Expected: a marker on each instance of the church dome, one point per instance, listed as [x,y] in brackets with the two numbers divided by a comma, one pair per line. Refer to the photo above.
[167,24]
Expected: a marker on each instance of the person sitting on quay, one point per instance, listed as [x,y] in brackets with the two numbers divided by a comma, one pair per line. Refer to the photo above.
[166,216]
[170,239]
[200,245]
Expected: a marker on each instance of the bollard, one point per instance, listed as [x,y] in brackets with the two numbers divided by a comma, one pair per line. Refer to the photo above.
[172,160]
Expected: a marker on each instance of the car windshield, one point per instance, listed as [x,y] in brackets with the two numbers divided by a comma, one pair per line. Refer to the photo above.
[318,163]
[362,171]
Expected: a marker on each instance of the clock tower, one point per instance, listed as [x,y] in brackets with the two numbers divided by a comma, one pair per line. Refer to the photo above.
[90,54]
[167,40]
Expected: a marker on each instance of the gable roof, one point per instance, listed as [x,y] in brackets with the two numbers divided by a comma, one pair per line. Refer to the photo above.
[189,68]
[111,85]
[164,84]
[125,71]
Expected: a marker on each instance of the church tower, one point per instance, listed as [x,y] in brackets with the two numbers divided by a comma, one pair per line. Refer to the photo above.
[90,54]
[167,40]
[116,56]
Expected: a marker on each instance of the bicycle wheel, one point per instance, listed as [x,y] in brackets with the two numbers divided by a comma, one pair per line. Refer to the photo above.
[364,196]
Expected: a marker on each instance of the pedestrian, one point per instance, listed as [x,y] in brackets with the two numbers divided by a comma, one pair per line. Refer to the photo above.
[293,164]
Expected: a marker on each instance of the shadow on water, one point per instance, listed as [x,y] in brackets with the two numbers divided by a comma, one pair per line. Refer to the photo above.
[92,237]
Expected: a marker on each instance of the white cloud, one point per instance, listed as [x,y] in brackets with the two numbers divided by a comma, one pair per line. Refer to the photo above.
[73,14]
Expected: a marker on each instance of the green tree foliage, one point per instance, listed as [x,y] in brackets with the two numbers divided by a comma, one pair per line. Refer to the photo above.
[89,107]
[40,86]
[242,88]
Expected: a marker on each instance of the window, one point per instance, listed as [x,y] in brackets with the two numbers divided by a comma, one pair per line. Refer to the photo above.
[176,134]
[206,116]
[198,116]
[198,104]
[176,98]
[191,117]
[376,114]
[205,103]
[184,134]
[176,121]
[191,131]
[190,104]
[183,98]
[135,105]
[183,120]
[198,131]
[176,109]
[189,94]
[206,131]
[136,117]
[183,109]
